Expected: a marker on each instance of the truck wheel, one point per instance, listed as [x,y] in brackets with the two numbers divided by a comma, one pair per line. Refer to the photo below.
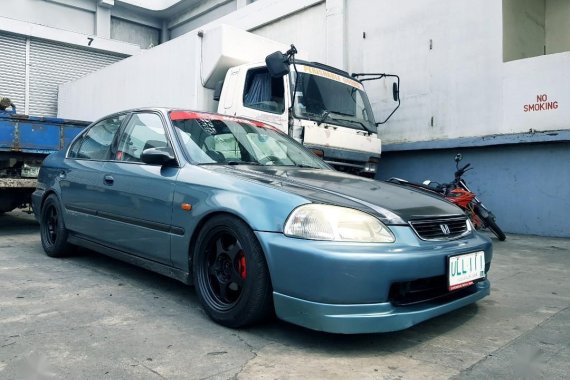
[230,273]
[52,230]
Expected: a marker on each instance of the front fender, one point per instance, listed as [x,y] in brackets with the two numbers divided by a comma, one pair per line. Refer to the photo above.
[262,206]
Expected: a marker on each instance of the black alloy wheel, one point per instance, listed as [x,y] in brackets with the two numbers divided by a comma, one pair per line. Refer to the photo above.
[52,230]
[230,273]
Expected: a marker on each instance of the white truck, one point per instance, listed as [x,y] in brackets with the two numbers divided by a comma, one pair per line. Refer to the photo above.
[223,69]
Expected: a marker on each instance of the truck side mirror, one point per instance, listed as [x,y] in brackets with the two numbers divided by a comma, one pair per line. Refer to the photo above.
[277,64]
[395,91]
[218,90]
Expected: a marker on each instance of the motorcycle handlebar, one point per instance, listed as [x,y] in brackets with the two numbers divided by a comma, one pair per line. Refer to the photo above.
[461,171]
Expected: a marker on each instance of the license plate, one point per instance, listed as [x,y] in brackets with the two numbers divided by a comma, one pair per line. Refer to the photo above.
[463,270]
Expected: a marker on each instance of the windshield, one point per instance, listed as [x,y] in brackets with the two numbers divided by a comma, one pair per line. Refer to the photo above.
[215,139]
[327,97]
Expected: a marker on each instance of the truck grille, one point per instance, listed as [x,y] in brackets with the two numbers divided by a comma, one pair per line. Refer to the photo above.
[441,229]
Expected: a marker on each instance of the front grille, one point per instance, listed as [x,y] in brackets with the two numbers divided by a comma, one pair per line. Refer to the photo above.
[441,229]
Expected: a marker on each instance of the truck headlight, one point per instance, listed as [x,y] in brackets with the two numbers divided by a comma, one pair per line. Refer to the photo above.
[327,222]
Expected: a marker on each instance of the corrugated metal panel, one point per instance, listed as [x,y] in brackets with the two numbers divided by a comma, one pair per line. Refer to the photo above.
[52,64]
[13,68]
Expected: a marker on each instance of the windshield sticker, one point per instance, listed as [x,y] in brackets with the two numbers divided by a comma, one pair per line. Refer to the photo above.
[186,115]
[330,75]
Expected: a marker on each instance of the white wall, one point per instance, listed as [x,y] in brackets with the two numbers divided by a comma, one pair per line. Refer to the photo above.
[306,29]
[86,17]
[201,15]
[51,14]
[449,54]
[557,26]
[542,85]
[524,32]
[142,35]
[457,81]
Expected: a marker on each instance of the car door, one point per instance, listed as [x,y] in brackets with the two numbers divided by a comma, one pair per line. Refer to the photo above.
[139,196]
[82,187]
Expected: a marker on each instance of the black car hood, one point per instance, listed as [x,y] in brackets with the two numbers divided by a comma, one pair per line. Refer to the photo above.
[393,204]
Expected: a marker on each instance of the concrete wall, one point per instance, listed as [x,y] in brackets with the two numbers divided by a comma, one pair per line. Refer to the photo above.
[524,185]
[201,15]
[142,35]
[557,26]
[524,33]
[536,94]
[305,29]
[450,87]
[87,17]
[79,19]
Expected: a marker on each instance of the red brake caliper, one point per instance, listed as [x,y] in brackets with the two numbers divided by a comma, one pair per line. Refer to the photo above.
[242,268]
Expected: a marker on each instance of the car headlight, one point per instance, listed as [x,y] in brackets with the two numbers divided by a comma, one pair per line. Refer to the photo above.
[326,222]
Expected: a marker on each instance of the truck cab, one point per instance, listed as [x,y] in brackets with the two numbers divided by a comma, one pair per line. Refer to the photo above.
[320,106]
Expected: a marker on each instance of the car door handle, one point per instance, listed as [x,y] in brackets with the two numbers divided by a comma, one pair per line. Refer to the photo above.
[108,180]
[62,174]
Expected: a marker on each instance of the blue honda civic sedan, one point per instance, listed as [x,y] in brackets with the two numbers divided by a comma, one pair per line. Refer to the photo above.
[258,224]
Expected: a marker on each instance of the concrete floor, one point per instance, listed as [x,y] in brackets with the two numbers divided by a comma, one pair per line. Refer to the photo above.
[93,317]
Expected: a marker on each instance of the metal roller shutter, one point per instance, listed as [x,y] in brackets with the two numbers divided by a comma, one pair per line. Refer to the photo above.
[52,64]
[13,69]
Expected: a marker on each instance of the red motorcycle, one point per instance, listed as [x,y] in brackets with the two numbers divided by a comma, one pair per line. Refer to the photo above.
[458,193]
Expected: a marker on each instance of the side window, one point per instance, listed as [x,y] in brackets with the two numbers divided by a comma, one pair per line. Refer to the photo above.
[143,131]
[95,144]
[264,93]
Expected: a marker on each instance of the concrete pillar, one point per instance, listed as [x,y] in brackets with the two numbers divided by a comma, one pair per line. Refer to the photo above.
[164,32]
[336,51]
[103,22]
[242,3]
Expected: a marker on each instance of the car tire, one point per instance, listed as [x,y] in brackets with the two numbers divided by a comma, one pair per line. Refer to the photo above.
[52,229]
[230,273]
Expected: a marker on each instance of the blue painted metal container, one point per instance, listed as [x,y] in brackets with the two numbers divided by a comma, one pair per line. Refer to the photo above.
[24,142]
[37,135]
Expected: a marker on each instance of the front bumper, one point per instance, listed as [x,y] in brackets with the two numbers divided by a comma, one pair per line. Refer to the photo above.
[37,197]
[368,318]
[345,287]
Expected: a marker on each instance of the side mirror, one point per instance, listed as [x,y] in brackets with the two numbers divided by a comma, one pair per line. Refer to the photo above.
[153,156]
[277,64]
[218,90]
[458,157]
[395,91]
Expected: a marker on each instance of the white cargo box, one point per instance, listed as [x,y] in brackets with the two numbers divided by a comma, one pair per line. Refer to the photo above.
[179,73]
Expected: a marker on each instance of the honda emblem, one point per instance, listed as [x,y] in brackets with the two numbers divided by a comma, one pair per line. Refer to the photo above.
[445,229]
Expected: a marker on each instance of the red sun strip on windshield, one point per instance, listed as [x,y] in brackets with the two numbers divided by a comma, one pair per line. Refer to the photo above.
[187,115]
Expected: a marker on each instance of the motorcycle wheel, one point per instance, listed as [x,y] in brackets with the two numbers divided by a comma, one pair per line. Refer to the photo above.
[496,229]
[489,222]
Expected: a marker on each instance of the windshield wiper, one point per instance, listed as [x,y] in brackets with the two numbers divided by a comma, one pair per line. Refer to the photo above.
[323,117]
[363,125]
[301,166]
[233,163]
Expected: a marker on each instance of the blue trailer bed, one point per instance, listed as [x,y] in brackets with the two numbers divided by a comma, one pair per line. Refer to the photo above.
[24,142]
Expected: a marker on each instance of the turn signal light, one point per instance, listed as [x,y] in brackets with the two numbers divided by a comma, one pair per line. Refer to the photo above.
[186,206]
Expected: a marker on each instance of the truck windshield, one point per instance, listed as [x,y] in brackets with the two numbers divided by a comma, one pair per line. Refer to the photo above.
[215,139]
[327,97]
